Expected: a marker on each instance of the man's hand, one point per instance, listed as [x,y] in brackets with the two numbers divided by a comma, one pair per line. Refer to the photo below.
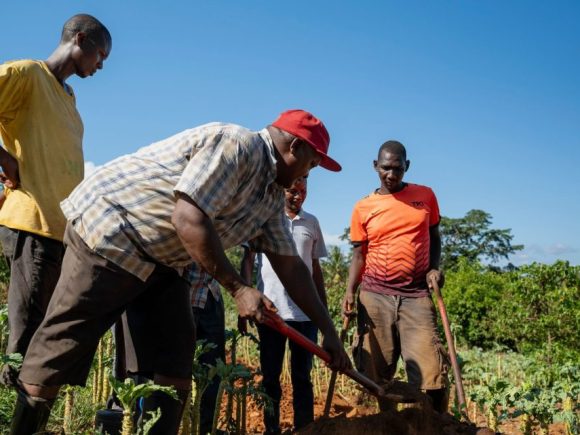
[435,275]
[348,304]
[10,177]
[251,302]
[340,360]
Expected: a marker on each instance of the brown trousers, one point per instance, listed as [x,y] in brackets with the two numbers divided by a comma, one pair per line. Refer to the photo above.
[90,296]
[393,326]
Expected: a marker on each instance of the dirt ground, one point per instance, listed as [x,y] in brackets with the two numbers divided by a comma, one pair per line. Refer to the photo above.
[348,418]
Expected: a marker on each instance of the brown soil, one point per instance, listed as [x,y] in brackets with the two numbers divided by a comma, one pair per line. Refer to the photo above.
[350,418]
[347,417]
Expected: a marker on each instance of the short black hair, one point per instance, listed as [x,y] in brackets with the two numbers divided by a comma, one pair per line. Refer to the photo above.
[87,24]
[393,147]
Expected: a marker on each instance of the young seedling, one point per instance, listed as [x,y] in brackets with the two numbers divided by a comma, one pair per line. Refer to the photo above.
[202,377]
[228,374]
[128,394]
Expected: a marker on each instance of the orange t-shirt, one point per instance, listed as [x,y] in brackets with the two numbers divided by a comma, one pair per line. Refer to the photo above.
[395,230]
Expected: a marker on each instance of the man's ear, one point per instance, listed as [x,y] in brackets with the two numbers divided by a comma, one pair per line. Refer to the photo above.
[79,38]
[295,146]
[407,165]
[375,163]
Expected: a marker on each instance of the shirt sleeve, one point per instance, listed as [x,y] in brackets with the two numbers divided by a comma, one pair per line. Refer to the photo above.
[211,177]
[358,232]
[13,88]
[434,216]
[319,247]
[275,237]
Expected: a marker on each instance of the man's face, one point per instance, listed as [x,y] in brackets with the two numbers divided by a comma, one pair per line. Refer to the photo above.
[296,195]
[391,169]
[91,54]
[303,159]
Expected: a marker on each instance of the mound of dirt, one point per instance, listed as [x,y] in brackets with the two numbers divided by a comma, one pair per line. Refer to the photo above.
[410,421]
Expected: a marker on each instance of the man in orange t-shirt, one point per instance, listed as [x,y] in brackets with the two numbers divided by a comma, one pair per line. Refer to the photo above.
[397,249]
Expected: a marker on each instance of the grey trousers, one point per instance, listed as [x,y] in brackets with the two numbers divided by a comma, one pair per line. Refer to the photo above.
[35,263]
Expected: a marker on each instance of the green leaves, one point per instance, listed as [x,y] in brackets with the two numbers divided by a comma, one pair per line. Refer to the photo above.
[128,393]
[533,307]
[13,360]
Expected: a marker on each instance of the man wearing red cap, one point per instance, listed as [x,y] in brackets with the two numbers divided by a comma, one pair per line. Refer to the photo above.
[137,222]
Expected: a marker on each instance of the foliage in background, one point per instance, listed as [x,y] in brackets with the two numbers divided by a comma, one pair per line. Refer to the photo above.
[335,273]
[506,385]
[536,307]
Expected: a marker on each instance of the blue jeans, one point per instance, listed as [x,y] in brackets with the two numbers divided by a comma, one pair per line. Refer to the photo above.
[272,348]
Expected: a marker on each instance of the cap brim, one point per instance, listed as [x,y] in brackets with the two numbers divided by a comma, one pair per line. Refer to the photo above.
[330,164]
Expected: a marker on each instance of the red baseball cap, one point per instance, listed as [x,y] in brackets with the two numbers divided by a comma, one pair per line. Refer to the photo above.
[307,127]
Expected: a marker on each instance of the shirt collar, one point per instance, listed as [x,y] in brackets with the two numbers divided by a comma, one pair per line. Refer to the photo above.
[299,216]
[265,135]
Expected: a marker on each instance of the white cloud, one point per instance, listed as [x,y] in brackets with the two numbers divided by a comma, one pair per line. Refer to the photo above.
[89,168]
[545,254]
[334,240]
[560,249]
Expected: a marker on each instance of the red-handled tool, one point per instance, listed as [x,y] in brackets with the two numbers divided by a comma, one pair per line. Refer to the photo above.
[274,321]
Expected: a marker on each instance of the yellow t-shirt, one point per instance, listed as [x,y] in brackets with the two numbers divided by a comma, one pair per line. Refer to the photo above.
[41,127]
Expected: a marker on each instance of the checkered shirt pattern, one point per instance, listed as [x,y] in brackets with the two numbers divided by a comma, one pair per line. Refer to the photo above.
[201,284]
[123,210]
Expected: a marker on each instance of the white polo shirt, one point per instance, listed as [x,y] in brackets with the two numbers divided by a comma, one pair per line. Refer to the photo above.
[309,242]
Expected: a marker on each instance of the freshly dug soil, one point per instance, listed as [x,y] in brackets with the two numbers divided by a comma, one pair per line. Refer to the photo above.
[410,421]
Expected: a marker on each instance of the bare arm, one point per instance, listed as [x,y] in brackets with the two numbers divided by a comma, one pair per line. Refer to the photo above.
[356,266]
[200,239]
[247,265]
[434,257]
[246,270]
[318,279]
[298,282]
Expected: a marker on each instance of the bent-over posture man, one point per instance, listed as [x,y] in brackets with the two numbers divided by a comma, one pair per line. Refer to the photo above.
[397,248]
[42,162]
[137,222]
[308,238]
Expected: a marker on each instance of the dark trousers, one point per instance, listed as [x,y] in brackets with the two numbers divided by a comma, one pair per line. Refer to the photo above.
[210,326]
[272,348]
[35,264]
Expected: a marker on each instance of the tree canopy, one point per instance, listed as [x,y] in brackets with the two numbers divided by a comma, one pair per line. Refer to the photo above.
[471,237]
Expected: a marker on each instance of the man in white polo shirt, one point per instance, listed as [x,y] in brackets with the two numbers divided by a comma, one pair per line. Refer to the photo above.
[307,236]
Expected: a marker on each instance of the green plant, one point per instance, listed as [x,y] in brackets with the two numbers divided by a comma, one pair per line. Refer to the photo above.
[493,399]
[128,393]
[202,376]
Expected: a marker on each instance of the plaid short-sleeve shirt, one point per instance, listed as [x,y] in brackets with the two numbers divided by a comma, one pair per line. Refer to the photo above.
[202,284]
[123,210]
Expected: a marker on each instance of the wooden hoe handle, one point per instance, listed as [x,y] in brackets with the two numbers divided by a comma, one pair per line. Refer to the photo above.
[451,348]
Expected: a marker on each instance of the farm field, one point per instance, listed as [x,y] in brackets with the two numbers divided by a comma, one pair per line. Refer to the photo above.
[516,334]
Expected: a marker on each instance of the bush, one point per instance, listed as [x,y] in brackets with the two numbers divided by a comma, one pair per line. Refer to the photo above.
[541,308]
[471,293]
[532,308]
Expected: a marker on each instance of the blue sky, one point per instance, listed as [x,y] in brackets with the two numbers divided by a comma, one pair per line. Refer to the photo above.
[484,94]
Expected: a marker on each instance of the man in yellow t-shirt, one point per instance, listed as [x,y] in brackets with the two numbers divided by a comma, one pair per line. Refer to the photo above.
[42,162]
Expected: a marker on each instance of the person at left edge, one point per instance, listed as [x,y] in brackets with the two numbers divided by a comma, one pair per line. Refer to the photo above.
[42,162]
